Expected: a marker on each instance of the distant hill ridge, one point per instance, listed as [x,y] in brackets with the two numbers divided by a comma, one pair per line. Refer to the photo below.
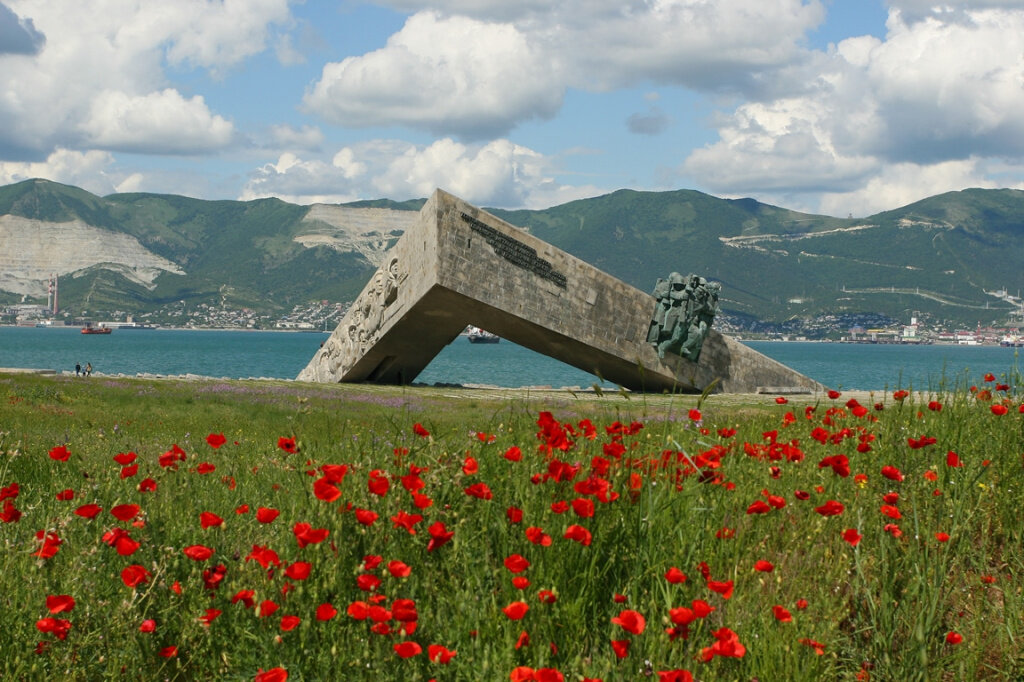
[956,256]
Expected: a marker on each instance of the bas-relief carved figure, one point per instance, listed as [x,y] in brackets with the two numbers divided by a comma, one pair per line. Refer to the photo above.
[367,315]
[683,312]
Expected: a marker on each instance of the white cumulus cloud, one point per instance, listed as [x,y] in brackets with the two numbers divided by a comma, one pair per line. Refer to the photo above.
[497,174]
[933,103]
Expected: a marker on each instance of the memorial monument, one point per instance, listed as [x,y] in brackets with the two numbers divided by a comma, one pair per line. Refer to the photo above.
[458,265]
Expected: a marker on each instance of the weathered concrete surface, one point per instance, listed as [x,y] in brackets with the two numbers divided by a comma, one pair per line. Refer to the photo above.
[458,265]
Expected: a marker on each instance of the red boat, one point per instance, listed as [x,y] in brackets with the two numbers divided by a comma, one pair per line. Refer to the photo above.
[96,330]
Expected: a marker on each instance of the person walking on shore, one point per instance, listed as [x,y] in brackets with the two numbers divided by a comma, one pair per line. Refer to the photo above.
[88,369]
[78,369]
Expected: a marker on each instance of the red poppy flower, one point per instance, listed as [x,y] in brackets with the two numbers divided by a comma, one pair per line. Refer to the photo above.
[440,654]
[205,468]
[942,537]
[264,556]
[758,507]
[148,625]
[840,464]
[266,608]
[675,576]
[134,575]
[763,566]
[408,649]
[537,536]
[935,406]
[407,521]
[547,597]
[513,454]
[418,429]
[289,623]
[833,394]
[578,534]
[266,514]
[470,466]
[215,440]
[59,603]
[516,563]
[365,516]
[780,400]
[892,473]
[439,535]
[781,614]
[272,675]
[326,611]
[198,552]
[727,643]
[891,511]
[378,483]
[399,569]
[125,512]
[367,582]
[147,485]
[514,514]
[892,529]
[286,444]
[305,534]
[404,610]
[630,621]
[88,511]
[818,647]
[298,570]
[209,519]
[209,616]
[620,647]
[851,536]
[694,415]
[516,610]
[998,409]
[480,491]
[677,675]
[50,544]
[58,626]
[830,508]
[60,453]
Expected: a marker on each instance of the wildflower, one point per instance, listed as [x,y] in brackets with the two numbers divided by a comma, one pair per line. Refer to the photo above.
[366,517]
[134,575]
[289,623]
[516,563]
[516,610]
[60,453]
[954,638]
[998,409]
[892,473]
[305,534]
[215,440]
[781,614]
[830,508]
[50,544]
[59,603]
[675,576]
[818,647]
[578,534]
[630,621]
[198,552]
[299,570]
[440,654]
[763,566]
[942,537]
[326,611]
[479,490]
[620,647]
[209,519]
[537,536]
[727,644]
[418,429]
[272,675]
[513,454]
[851,536]
[439,535]
[287,444]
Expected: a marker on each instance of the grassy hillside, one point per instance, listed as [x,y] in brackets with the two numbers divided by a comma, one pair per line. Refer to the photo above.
[943,256]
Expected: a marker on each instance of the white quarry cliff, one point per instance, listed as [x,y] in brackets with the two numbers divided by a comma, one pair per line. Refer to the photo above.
[32,249]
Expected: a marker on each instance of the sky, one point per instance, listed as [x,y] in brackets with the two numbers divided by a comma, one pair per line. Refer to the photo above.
[839,107]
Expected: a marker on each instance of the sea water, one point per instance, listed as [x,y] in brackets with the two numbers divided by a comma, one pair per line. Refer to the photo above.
[282,355]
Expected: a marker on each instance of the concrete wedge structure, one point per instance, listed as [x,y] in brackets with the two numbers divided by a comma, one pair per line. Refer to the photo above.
[458,265]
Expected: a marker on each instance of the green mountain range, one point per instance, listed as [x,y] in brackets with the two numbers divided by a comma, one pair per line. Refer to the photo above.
[956,257]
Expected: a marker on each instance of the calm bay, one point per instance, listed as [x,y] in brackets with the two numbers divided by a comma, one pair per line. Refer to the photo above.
[282,355]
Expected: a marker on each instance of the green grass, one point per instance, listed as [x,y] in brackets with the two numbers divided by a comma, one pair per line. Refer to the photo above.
[677,493]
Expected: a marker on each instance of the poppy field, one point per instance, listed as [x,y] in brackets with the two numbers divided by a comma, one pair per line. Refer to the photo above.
[273,531]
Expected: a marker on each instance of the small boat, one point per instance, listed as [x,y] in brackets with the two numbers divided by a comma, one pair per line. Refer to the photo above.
[89,329]
[478,335]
